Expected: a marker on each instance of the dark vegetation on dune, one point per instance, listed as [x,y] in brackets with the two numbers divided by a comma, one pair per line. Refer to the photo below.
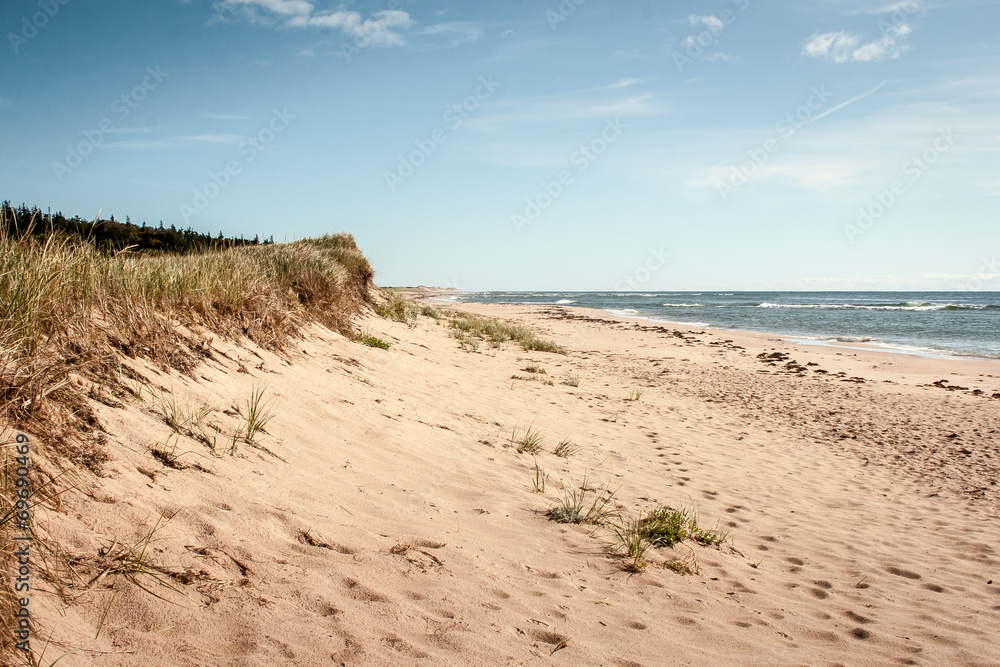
[112,235]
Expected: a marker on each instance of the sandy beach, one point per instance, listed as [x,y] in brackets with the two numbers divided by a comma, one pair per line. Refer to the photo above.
[385,517]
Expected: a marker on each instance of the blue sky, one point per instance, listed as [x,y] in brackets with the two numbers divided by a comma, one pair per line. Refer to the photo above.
[574,145]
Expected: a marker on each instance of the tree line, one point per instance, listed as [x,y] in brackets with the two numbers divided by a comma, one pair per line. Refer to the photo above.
[112,235]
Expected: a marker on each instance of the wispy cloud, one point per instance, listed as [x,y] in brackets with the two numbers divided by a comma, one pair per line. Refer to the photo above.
[844,47]
[4,103]
[457,32]
[223,116]
[598,103]
[990,185]
[179,141]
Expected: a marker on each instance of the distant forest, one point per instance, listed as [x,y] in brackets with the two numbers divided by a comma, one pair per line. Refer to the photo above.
[112,235]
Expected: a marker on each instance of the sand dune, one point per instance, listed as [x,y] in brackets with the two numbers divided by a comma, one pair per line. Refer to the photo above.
[385,517]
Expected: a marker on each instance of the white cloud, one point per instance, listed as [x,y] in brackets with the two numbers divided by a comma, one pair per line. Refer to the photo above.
[713,23]
[843,47]
[378,30]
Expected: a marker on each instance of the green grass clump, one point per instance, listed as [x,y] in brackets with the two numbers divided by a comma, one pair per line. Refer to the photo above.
[535,369]
[496,333]
[428,311]
[662,527]
[572,379]
[530,441]
[371,341]
[565,448]
[398,309]
[666,526]
[632,543]
[258,414]
[584,505]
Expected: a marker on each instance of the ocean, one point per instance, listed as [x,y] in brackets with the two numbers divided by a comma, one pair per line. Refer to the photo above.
[924,323]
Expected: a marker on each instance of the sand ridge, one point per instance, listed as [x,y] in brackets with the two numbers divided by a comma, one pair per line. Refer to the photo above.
[386,519]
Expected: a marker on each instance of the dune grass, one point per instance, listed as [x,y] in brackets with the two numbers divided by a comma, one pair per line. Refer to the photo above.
[70,312]
[468,327]
[398,308]
[662,526]
[584,505]
[371,341]
[530,440]
[566,448]
[67,308]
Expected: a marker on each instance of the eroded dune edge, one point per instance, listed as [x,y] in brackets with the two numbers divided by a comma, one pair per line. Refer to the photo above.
[386,512]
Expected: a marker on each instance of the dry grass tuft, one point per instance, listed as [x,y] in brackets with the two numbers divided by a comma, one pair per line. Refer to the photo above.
[469,328]
[584,505]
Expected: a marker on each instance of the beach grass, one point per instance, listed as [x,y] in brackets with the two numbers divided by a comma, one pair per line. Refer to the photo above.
[370,340]
[494,332]
[69,312]
[584,505]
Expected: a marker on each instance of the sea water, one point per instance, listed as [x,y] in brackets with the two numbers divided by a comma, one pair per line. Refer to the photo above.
[930,323]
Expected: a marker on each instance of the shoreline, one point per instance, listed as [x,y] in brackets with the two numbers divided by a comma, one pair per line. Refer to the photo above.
[830,340]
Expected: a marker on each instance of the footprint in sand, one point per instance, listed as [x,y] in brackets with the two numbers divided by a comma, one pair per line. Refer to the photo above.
[899,572]
[547,637]
[402,646]
[362,593]
[857,618]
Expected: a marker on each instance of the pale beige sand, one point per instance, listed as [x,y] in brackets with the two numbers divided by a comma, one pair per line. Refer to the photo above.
[864,515]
